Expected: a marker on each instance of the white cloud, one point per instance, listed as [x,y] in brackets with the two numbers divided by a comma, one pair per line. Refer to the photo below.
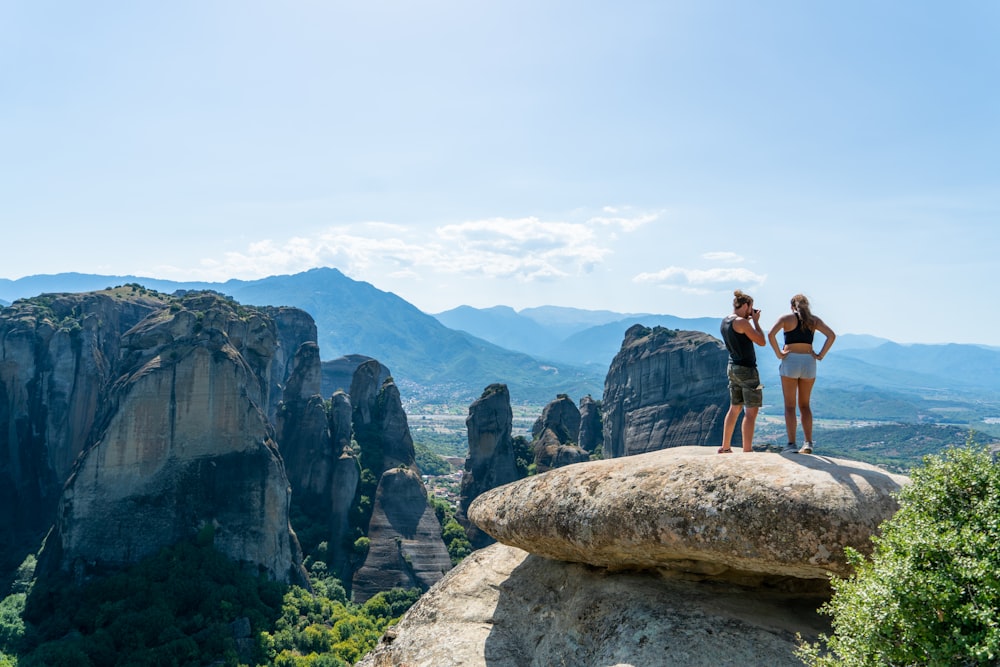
[525,249]
[701,280]
[723,256]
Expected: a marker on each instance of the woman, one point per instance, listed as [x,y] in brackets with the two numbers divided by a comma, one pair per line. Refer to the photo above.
[798,365]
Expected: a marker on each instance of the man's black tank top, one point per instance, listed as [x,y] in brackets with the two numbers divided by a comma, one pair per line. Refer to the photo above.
[741,350]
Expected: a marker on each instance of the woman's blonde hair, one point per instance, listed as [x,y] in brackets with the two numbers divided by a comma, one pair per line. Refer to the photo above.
[800,306]
[740,297]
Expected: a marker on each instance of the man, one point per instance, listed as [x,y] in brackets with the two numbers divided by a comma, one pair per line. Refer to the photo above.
[741,331]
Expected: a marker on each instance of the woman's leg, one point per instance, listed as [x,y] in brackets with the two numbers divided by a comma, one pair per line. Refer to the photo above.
[805,387]
[789,387]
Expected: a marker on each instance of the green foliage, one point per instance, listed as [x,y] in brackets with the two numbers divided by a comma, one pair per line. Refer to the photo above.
[428,462]
[524,456]
[456,541]
[317,632]
[169,609]
[12,627]
[930,595]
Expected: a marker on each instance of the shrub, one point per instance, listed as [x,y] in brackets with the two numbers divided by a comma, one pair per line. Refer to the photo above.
[930,595]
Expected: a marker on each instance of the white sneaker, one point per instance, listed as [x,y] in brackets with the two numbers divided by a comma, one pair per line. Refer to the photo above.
[806,448]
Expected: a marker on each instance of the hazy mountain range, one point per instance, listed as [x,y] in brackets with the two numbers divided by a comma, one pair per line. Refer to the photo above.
[540,352]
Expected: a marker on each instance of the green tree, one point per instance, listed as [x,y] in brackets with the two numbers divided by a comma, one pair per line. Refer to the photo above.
[930,594]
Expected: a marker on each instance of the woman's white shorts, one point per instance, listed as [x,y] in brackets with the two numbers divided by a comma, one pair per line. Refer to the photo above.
[798,366]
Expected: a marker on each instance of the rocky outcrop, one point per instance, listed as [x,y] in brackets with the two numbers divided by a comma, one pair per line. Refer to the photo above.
[675,557]
[664,388]
[555,435]
[303,430]
[405,544]
[490,462]
[58,355]
[185,446]
[406,549]
[591,426]
[380,424]
[774,515]
[503,607]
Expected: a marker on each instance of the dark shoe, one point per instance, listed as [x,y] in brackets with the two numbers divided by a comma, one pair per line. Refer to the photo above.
[790,448]
[725,450]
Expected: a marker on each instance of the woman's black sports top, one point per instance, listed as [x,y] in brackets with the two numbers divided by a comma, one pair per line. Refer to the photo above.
[799,335]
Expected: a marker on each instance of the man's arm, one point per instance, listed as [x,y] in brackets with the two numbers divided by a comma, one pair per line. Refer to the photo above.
[750,328]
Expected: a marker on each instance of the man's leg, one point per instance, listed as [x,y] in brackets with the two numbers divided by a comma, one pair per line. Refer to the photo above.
[749,421]
[729,425]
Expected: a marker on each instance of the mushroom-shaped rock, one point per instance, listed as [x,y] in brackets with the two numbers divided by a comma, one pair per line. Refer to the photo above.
[686,508]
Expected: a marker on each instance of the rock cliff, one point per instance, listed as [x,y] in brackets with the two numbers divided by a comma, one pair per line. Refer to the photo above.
[664,388]
[405,543]
[676,557]
[555,435]
[406,549]
[490,462]
[58,355]
[184,446]
[591,425]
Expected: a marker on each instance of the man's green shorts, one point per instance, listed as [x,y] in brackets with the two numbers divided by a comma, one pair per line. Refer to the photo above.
[744,386]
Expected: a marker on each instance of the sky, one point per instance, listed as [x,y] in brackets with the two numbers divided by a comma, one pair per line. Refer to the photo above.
[639,157]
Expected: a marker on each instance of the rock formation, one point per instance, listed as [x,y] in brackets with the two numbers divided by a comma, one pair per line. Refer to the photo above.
[184,446]
[676,557]
[58,355]
[555,435]
[491,453]
[664,388]
[405,543]
[379,421]
[591,426]
[406,549]
[303,431]
[687,508]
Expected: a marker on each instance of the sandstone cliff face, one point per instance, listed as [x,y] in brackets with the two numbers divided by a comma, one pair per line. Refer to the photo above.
[491,453]
[555,435]
[303,430]
[380,424]
[591,425]
[665,388]
[184,443]
[675,557]
[406,548]
[58,354]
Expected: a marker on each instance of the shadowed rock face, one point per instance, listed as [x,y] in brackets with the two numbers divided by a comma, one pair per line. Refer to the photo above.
[503,607]
[406,548]
[591,426]
[380,424]
[491,453]
[555,435]
[58,355]
[185,444]
[665,388]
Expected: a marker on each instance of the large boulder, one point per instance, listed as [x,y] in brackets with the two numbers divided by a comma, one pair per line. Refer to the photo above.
[664,388]
[502,607]
[743,516]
